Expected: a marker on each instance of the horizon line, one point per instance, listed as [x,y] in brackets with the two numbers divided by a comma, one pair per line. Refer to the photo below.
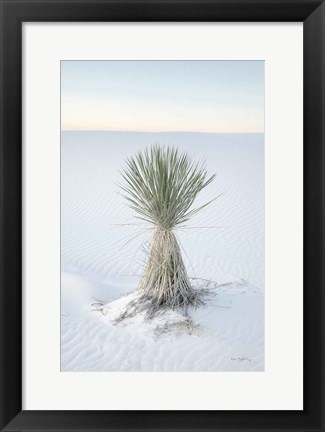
[159,131]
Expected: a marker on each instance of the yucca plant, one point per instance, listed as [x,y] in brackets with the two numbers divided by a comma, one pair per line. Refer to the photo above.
[161,184]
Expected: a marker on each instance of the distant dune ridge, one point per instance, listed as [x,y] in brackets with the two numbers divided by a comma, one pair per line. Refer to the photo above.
[101,258]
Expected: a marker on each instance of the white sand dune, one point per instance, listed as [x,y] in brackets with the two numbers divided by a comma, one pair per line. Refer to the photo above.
[102,259]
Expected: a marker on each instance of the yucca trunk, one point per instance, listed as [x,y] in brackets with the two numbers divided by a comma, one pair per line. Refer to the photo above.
[165,280]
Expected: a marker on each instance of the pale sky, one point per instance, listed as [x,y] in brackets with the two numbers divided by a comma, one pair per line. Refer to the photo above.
[196,96]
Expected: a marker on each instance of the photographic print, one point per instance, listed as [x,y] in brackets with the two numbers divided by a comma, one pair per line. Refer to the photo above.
[162,216]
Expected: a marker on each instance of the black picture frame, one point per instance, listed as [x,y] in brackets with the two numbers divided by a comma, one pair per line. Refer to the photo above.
[13,14]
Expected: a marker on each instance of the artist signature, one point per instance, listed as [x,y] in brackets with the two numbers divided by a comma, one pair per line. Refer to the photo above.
[240,359]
